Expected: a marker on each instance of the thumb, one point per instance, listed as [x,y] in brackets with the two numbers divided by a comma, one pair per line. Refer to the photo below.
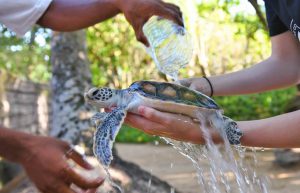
[184,82]
[193,86]
[140,36]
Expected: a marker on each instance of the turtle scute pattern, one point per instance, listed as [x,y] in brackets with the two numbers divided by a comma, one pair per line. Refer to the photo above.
[106,134]
[172,92]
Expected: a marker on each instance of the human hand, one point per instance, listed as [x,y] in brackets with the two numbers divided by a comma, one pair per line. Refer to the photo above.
[46,164]
[137,13]
[199,84]
[174,126]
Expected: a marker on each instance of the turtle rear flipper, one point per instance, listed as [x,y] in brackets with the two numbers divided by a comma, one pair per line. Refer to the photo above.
[106,133]
[232,130]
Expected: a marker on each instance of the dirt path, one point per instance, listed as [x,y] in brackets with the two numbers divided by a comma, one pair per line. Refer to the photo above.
[169,165]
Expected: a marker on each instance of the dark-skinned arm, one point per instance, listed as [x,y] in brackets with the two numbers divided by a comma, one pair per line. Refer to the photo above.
[12,144]
[70,15]
[45,161]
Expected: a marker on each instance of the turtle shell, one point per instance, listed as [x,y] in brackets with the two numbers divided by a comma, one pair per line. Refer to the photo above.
[172,93]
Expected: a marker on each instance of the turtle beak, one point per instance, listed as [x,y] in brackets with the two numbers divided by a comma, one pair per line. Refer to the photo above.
[90,94]
[86,97]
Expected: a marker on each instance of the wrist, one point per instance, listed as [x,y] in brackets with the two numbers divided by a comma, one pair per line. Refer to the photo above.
[27,144]
[23,145]
[13,145]
[204,86]
[210,86]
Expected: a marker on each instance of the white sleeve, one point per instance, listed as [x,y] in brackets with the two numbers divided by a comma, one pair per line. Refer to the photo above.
[21,15]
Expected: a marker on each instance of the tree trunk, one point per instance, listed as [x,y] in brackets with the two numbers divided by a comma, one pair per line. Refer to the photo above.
[70,78]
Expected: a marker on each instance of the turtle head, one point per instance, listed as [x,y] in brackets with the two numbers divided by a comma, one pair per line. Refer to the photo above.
[101,97]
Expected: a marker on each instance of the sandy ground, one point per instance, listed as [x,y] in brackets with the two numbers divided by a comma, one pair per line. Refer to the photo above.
[167,164]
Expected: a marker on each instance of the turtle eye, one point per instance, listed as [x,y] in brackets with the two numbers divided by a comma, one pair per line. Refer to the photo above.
[95,92]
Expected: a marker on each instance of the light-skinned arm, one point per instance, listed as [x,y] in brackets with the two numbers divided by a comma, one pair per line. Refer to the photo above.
[281,69]
[282,131]
[70,15]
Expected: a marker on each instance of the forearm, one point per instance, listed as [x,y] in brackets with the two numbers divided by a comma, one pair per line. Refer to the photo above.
[280,70]
[70,15]
[267,75]
[277,132]
[12,144]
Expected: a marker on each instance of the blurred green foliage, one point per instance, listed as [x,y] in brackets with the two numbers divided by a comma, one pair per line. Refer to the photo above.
[27,57]
[128,134]
[228,36]
[256,106]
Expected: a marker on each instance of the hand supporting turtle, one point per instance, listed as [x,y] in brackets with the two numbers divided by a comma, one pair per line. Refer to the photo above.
[180,127]
[256,133]
[174,126]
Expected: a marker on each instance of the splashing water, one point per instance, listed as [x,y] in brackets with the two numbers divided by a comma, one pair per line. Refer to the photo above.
[111,182]
[228,171]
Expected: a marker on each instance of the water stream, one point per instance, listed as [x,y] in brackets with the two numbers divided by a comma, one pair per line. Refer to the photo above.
[227,172]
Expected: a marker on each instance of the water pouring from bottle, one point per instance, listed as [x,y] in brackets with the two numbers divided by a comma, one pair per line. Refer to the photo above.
[170,47]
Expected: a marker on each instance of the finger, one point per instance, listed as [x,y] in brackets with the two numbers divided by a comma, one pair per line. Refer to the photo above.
[79,159]
[184,82]
[153,128]
[171,15]
[84,183]
[143,124]
[91,191]
[154,115]
[63,188]
[175,8]
[140,36]
[193,87]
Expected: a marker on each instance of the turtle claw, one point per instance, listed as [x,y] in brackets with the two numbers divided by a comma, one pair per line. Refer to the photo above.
[98,118]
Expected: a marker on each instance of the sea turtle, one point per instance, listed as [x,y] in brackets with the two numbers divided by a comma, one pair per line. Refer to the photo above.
[167,97]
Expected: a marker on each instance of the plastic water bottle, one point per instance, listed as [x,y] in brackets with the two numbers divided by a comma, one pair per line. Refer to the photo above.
[170,45]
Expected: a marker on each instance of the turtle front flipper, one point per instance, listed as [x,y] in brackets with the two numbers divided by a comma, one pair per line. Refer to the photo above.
[106,133]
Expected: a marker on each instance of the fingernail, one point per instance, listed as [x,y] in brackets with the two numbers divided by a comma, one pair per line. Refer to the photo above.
[90,167]
[141,110]
[100,180]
